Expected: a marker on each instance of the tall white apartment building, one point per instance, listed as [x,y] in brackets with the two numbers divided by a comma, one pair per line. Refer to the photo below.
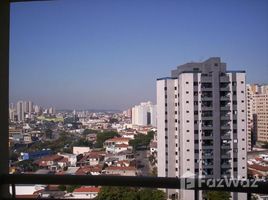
[20,111]
[201,124]
[144,114]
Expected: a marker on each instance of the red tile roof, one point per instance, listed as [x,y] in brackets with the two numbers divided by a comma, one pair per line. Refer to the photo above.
[258,167]
[122,145]
[118,139]
[120,168]
[87,189]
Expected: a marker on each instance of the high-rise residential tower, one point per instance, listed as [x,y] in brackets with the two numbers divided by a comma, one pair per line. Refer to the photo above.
[201,124]
[20,111]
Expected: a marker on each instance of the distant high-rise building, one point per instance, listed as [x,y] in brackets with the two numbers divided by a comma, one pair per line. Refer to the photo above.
[51,110]
[36,109]
[257,108]
[144,114]
[201,124]
[20,111]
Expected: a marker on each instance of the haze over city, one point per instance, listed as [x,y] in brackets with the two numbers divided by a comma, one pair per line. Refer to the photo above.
[108,54]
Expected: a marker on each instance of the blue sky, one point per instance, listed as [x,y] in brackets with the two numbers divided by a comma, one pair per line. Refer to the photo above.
[96,54]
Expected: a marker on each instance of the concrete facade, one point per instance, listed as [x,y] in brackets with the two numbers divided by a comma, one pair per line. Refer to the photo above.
[201,124]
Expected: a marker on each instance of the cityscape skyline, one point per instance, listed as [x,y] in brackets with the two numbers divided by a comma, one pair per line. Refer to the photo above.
[103,55]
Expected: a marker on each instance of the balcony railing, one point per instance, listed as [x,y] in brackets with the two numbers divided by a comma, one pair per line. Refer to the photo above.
[260,187]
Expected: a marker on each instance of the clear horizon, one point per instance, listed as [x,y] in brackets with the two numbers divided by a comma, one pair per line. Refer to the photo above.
[108,54]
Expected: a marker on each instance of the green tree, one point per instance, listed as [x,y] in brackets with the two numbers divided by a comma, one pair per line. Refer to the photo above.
[62,187]
[216,195]
[48,133]
[71,188]
[128,193]
[83,142]
[102,136]
[142,140]
[89,131]
[27,165]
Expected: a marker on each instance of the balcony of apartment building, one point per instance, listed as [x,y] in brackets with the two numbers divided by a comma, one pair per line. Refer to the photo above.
[226,144]
[207,96]
[226,153]
[225,95]
[225,125]
[225,105]
[207,134]
[12,180]
[225,86]
[208,172]
[207,86]
[207,153]
[225,115]
[226,164]
[226,134]
[225,172]
[207,144]
[207,163]
[207,105]
[224,78]
[207,115]
[207,124]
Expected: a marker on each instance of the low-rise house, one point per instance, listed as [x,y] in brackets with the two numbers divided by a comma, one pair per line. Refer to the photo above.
[52,162]
[258,167]
[123,163]
[80,150]
[85,192]
[91,158]
[123,155]
[89,170]
[72,158]
[116,145]
[123,171]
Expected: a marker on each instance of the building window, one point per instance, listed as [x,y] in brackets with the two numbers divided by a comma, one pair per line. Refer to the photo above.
[187,82]
[188,131]
[187,121]
[188,159]
[187,92]
[188,140]
[187,111]
[165,88]
[188,150]
[187,101]
[175,88]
